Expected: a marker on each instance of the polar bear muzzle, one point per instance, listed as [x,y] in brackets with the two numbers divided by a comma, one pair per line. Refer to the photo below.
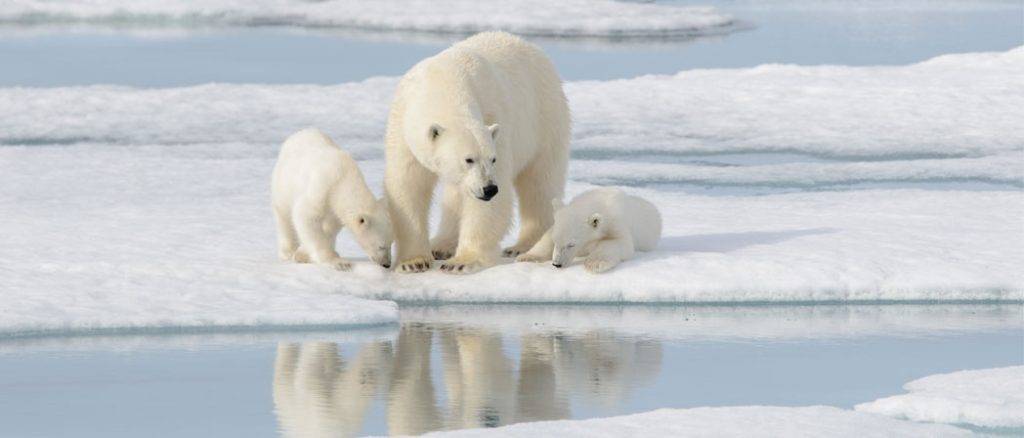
[489,192]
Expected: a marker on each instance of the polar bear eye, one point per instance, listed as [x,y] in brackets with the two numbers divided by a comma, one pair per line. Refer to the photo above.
[362,221]
[469,161]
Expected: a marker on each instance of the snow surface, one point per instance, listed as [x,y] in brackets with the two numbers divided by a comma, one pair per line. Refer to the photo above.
[740,421]
[142,208]
[987,398]
[564,18]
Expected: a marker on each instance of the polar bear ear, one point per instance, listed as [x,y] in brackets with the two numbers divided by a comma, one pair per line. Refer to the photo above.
[494,131]
[556,203]
[435,131]
[595,220]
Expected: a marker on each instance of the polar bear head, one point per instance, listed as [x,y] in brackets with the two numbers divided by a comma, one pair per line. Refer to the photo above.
[371,228]
[574,228]
[461,152]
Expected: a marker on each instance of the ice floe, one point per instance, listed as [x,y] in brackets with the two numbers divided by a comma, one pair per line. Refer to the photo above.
[738,421]
[991,398]
[567,18]
[148,208]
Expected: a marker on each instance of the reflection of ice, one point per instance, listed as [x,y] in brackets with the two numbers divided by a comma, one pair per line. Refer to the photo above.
[317,392]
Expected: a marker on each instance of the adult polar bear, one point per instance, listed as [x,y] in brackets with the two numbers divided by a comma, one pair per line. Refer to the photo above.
[482,116]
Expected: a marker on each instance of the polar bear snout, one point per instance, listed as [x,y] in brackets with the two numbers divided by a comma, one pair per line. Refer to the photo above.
[489,192]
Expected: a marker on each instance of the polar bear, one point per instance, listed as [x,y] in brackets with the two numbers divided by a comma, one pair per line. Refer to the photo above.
[317,189]
[604,225]
[484,116]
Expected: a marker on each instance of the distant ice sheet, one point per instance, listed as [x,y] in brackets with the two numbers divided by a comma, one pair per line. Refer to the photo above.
[952,118]
[991,398]
[564,18]
[734,421]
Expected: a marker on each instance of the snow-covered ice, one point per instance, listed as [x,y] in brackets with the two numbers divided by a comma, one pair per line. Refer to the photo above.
[964,105]
[126,207]
[565,18]
[738,421]
[992,398]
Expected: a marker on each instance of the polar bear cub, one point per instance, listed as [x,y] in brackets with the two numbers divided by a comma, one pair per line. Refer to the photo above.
[317,189]
[604,225]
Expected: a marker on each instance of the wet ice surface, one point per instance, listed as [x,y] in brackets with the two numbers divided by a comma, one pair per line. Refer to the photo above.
[452,367]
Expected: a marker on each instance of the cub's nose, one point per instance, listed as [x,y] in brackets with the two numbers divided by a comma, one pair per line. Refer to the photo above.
[557,265]
[489,192]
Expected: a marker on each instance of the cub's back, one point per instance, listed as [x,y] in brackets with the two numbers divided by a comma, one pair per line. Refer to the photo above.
[309,161]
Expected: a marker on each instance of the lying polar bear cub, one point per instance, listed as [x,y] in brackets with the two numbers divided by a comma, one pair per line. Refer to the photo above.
[317,188]
[604,225]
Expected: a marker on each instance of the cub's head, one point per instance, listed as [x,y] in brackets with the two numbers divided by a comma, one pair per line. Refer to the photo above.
[573,229]
[462,154]
[372,230]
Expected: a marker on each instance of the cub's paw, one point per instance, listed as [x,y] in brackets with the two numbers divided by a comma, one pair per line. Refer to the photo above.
[286,255]
[531,258]
[598,265]
[415,264]
[462,266]
[339,265]
[300,256]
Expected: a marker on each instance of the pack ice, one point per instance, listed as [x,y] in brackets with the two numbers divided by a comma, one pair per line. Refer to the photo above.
[142,208]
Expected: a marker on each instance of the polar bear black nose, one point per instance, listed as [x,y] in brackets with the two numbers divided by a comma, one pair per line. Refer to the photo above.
[489,192]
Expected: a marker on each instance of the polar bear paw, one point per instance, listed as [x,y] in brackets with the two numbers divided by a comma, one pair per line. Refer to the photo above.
[442,253]
[415,264]
[598,265]
[531,258]
[514,251]
[339,264]
[462,266]
[300,256]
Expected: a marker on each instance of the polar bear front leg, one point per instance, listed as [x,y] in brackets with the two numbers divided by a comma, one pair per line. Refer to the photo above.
[481,228]
[315,242]
[408,187]
[608,253]
[443,245]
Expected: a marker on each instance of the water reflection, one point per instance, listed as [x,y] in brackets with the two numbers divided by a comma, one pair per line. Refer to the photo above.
[320,390]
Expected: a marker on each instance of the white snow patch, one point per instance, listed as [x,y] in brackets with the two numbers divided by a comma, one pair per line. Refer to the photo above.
[107,239]
[987,398]
[97,224]
[564,18]
[960,112]
[739,421]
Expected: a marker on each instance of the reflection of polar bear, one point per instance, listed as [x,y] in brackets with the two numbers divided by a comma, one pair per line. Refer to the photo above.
[317,394]
[604,225]
[484,116]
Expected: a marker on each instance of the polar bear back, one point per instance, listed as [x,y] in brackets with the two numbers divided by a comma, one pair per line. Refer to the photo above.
[311,166]
[507,79]
[624,211]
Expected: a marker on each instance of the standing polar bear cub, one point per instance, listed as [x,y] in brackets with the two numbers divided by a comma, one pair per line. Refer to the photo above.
[485,116]
[604,225]
[317,189]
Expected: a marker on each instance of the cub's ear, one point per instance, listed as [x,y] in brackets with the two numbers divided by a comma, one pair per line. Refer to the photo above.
[435,131]
[595,220]
[556,203]
[494,131]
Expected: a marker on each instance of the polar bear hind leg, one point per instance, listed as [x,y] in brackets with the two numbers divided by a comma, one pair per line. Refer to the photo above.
[542,181]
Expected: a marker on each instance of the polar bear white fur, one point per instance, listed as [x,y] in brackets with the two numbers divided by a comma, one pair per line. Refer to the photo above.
[604,225]
[484,116]
[317,189]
